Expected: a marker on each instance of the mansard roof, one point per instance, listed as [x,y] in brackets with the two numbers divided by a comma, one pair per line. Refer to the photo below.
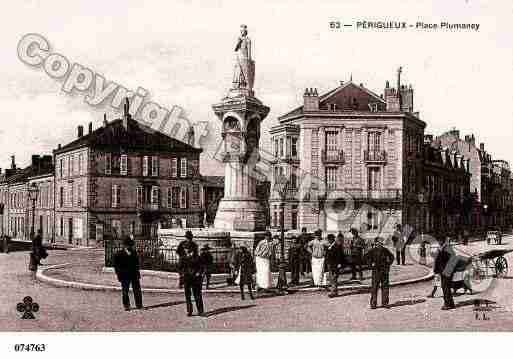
[340,95]
[136,136]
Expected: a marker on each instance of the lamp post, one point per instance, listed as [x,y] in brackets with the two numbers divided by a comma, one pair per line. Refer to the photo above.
[281,186]
[33,191]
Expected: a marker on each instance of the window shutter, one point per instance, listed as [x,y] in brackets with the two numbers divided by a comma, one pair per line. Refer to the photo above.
[108,169]
[174,167]
[124,165]
[118,195]
[145,166]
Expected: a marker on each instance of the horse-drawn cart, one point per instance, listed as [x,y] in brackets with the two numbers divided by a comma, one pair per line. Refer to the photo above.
[492,262]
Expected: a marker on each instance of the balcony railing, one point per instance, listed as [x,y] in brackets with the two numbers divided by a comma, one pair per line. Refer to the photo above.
[367,194]
[148,207]
[375,156]
[332,156]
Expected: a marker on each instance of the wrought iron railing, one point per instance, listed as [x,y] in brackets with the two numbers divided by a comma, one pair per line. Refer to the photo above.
[374,156]
[332,156]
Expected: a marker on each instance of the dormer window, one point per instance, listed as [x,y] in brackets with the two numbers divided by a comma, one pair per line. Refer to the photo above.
[333,106]
[373,107]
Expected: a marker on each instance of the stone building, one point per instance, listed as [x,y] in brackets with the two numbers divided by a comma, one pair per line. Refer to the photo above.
[124,178]
[489,181]
[353,158]
[16,204]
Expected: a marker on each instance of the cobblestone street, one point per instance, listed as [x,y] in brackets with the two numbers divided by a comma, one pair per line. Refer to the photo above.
[86,310]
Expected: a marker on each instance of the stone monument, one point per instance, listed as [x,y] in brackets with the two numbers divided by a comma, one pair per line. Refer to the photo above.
[241,114]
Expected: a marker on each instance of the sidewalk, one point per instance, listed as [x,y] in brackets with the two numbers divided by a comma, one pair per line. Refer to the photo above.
[83,269]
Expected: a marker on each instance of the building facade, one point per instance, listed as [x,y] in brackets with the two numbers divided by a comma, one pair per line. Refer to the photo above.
[122,178]
[352,158]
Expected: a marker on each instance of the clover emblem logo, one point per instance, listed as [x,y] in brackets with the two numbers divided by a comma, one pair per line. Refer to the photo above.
[28,307]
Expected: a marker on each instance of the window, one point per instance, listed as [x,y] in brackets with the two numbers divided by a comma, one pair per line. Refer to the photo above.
[333,106]
[183,197]
[174,167]
[331,177]
[145,166]
[115,225]
[155,195]
[293,179]
[331,144]
[61,197]
[79,195]
[374,178]
[108,164]
[294,217]
[77,228]
[80,164]
[154,166]
[294,147]
[70,195]
[169,198]
[116,191]
[72,165]
[281,147]
[61,225]
[276,147]
[374,141]
[176,197]
[139,196]
[183,167]
[123,169]
[61,168]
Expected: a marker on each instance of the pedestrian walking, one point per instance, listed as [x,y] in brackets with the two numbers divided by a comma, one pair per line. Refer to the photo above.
[400,244]
[295,252]
[263,254]
[6,240]
[304,239]
[334,262]
[246,269]
[379,259]
[446,272]
[357,248]
[208,262]
[182,250]
[232,260]
[423,252]
[193,270]
[317,249]
[37,253]
[126,266]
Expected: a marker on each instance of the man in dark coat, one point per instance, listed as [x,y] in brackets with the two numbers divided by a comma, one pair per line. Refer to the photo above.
[304,239]
[181,250]
[379,259]
[445,268]
[334,261]
[193,270]
[295,253]
[126,266]
[208,261]
[357,247]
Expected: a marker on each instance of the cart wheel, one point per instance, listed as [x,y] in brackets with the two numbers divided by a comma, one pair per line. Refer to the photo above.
[501,267]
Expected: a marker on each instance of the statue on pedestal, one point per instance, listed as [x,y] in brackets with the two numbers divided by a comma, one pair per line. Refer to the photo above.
[244,71]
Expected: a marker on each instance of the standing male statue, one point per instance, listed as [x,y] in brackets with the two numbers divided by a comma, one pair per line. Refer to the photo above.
[244,72]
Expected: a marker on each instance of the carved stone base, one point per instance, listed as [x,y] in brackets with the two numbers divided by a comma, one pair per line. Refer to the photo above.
[240,215]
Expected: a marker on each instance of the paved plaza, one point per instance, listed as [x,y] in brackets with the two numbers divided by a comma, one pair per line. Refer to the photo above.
[89,310]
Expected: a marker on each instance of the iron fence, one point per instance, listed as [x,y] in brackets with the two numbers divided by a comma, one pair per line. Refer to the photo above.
[154,256]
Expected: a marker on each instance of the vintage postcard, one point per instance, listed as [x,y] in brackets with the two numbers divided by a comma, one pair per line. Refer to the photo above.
[232,166]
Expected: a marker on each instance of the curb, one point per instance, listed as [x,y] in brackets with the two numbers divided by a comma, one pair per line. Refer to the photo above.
[43,277]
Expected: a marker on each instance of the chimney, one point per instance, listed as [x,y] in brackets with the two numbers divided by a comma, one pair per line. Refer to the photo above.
[105,122]
[126,114]
[341,83]
[90,128]
[13,162]
[80,131]
[467,138]
[481,146]
[311,100]
[59,146]
[473,140]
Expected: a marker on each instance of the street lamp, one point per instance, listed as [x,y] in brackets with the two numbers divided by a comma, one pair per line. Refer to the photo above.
[33,191]
[281,186]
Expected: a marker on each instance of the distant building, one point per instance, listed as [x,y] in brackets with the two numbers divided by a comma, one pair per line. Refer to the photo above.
[489,180]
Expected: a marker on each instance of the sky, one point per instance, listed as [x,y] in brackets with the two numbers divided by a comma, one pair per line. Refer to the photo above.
[181,52]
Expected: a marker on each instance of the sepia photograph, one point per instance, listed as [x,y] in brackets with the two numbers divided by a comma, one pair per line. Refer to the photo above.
[190,168]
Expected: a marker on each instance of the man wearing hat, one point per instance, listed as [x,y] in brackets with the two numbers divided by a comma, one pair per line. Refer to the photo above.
[357,248]
[193,270]
[379,259]
[263,254]
[208,262]
[181,250]
[126,266]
